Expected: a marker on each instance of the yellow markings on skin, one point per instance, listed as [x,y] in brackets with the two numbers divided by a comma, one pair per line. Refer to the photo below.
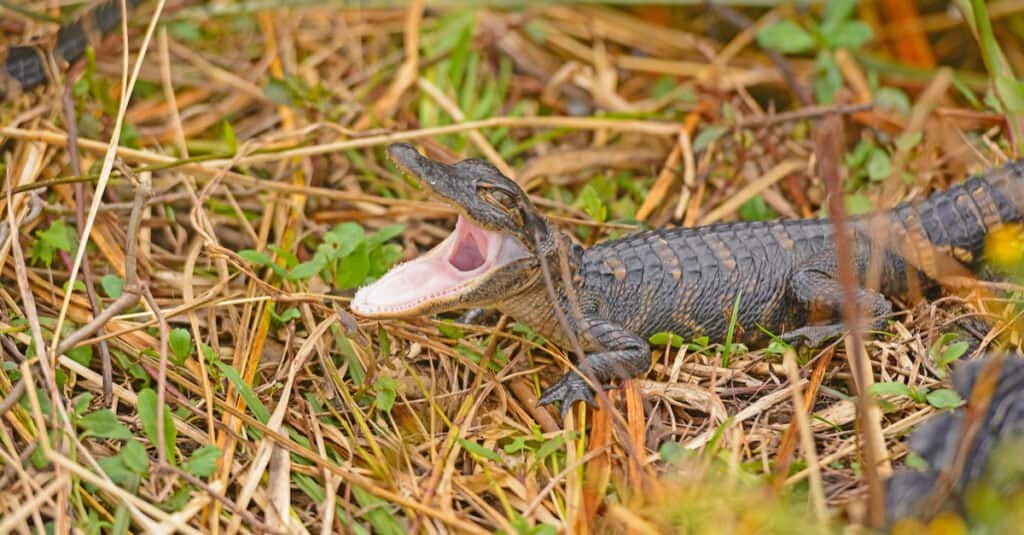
[922,249]
[1004,246]
[782,237]
[902,242]
[616,267]
[722,252]
[681,317]
[966,206]
[664,252]
[963,255]
[989,211]
[676,274]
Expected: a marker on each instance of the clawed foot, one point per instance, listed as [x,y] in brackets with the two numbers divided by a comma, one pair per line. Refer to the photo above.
[812,335]
[568,390]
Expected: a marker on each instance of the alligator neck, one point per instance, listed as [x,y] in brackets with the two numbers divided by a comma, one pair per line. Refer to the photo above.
[534,305]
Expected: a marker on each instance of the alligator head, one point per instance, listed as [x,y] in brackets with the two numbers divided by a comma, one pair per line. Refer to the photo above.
[493,253]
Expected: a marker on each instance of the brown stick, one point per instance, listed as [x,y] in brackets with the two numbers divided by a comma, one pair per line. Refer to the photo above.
[828,167]
[130,293]
[71,124]
[801,114]
[246,516]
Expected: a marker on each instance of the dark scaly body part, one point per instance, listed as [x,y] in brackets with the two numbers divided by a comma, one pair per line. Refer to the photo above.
[24,67]
[937,441]
[687,280]
[784,273]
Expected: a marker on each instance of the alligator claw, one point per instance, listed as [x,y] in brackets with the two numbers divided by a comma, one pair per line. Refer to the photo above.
[812,335]
[568,390]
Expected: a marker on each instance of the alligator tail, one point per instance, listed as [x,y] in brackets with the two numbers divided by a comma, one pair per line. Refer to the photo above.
[23,67]
[954,222]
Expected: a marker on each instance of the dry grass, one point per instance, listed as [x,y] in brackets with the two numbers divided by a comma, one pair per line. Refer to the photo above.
[262,131]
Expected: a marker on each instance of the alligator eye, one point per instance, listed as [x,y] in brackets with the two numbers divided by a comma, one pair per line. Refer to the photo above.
[505,199]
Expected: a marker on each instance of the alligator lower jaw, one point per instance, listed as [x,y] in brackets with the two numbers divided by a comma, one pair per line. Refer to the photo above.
[465,260]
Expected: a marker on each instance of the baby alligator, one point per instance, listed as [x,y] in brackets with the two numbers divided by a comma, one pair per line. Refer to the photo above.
[24,67]
[682,280]
[990,463]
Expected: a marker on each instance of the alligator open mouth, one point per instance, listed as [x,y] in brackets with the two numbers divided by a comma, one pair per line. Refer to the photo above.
[459,264]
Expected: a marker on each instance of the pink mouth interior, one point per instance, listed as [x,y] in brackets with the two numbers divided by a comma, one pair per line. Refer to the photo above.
[446,271]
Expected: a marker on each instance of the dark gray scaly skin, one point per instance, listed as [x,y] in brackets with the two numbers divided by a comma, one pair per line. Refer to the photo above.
[938,440]
[686,280]
[23,67]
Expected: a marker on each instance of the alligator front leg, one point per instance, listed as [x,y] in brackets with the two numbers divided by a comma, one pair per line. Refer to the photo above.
[817,290]
[623,355]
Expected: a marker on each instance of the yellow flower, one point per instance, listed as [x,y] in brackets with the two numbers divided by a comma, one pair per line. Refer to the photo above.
[1004,246]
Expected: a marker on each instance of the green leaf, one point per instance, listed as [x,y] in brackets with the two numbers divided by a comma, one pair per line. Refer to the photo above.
[148,416]
[478,451]
[673,452]
[185,30]
[289,314]
[893,99]
[347,236]
[203,462]
[387,391]
[382,258]
[288,257]
[944,398]
[449,330]
[353,269]
[707,137]
[115,469]
[592,204]
[837,11]
[727,349]
[756,209]
[663,338]
[952,352]
[1011,92]
[259,410]
[56,237]
[915,461]
[112,285]
[849,34]
[82,402]
[255,257]
[518,444]
[891,388]
[549,447]
[786,37]
[385,234]
[229,137]
[378,514]
[860,154]
[104,424]
[180,341]
[277,90]
[305,270]
[908,140]
[857,203]
[177,501]
[81,355]
[879,165]
[122,520]
[827,78]
[134,457]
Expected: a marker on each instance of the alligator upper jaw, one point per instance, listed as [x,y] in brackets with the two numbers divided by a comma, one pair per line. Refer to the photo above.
[464,261]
